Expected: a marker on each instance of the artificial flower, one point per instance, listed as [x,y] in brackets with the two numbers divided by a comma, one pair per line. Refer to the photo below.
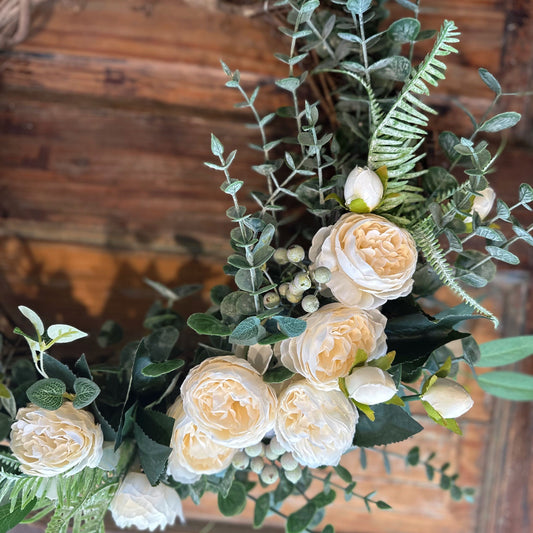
[363,184]
[448,398]
[370,385]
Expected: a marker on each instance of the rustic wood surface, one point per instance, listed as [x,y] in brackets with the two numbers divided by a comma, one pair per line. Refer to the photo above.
[105,119]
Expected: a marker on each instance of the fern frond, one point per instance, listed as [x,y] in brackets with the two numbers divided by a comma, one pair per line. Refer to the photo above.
[424,235]
[9,462]
[402,131]
[24,488]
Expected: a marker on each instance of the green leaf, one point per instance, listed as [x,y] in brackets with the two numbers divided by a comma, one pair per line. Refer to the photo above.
[404,30]
[47,393]
[395,68]
[501,122]
[239,261]
[86,392]
[5,425]
[153,456]
[249,280]
[165,367]
[161,342]
[392,424]
[235,501]
[233,187]
[289,84]
[262,507]
[383,505]
[508,385]
[216,146]
[247,332]
[205,324]
[343,473]
[413,456]
[525,193]
[33,317]
[61,333]
[292,327]
[10,518]
[503,255]
[277,375]
[358,6]
[110,333]
[263,255]
[299,520]
[408,5]
[328,529]
[218,292]
[490,81]
[505,351]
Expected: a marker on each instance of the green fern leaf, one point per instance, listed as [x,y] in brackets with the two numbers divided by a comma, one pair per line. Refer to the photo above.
[424,235]
[400,134]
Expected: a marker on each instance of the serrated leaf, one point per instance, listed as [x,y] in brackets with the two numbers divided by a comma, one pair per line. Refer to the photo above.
[33,317]
[159,369]
[505,351]
[501,122]
[508,385]
[153,456]
[47,393]
[62,333]
[205,324]
[392,424]
[490,81]
[86,392]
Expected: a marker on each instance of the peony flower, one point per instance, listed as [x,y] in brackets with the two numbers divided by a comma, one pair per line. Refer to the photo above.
[363,184]
[228,399]
[371,260]
[448,398]
[316,426]
[194,452]
[482,204]
[48,443]
[326,350]
[136,503]
[370,385]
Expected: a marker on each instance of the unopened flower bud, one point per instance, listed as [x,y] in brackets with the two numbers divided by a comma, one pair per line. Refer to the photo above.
[295,253]
[294,475]
[288,462]
[321,275]
[370,385]
[280,256]
[301,282]
[257,464]
[283,289]
[269,474]
[448,398]
[255,450]
[271,300]
[363,184]
[310,304]
[482,204]
[240,461]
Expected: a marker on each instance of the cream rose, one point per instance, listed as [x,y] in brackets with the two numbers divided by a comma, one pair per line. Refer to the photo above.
[371,260]
[317,426]
[193,451]
[370,385]
[448,398]
[227,399]
[48,443]
[138,504]
[326,350]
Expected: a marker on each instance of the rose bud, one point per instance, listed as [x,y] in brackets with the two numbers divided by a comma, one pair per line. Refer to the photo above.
[482,204]
[370,385]
[363,184]
[448,398]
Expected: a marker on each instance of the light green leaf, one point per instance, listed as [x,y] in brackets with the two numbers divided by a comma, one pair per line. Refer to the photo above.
[61,333]
[503,255]
[33,317]
[490,81]
[525,193]
[216,146]
[505,351]
[247,332]
[508,385]
[292,327]
[358,6]
[395,68]
[501,122]
[404,30]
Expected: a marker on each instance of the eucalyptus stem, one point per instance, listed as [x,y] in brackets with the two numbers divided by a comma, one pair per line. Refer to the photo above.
[358,21]
[336,485]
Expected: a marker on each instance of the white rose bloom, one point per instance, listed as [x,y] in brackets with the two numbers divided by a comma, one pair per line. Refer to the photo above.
[448,398]
[193,451]
[371,259]
[316,426]
[483,204]
[228,399]
[370,385]
[326,350]
[48,443]
[364,184]
[138,504]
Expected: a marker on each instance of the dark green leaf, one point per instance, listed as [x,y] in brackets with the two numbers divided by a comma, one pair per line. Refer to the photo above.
[323,499]
[358,6]
[501,121]
[408,5]
[153,456]
[505,351]
[5,425]
[9,519]
[249,280]
[470,350]
[218,292]
[292,327]
[205,324]
[508,385]
[165,367]
[110,333]
[395,68]
[413,456]
[277,375]
[247,332]
[262,507]
[86,392]
[235,501]
[503,255]
[383,505]
[47,393]
[161,342]
[56,369]
[490,81]
[299,520]
[343,473]
[404,30]
[392,424]
[328,529]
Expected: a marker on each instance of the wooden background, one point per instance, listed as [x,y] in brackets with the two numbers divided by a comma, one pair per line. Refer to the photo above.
[105,117]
